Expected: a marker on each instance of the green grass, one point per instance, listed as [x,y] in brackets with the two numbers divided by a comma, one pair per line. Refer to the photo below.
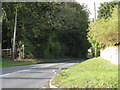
[92,73]
[10,63]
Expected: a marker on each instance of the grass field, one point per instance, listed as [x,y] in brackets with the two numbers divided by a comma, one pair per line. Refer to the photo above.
[92,73]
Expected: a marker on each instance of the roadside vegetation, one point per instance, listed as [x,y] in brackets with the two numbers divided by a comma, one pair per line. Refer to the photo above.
[10,63]
[96,72]
[55,30]
[92,73]
[103,32]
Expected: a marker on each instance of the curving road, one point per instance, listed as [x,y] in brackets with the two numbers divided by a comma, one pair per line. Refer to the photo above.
[32,76]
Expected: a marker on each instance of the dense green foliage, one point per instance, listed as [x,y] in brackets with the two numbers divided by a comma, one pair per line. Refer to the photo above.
[105,10]
[92,73]
[104,32]
[48,30]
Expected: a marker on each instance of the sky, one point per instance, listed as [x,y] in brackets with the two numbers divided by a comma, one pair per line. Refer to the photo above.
[90,5]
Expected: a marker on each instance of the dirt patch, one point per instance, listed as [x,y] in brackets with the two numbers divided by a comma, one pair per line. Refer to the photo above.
[25,60]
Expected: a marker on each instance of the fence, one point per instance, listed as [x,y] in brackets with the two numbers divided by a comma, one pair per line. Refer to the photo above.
[7,53]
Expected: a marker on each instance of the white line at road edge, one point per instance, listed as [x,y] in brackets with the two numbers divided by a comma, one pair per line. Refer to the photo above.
[14,72]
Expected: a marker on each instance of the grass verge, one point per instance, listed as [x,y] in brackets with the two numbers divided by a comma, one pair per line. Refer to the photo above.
[10,63]
[92,73]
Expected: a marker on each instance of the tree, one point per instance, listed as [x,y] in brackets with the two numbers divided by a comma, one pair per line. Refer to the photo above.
[106,9]
[41,30]
[105,31]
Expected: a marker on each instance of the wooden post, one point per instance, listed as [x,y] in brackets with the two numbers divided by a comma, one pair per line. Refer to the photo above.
[14,35]
[23,51]
[0,50]
[95,52]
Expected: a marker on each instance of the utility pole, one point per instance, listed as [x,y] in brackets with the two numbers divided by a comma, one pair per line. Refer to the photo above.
[14,35]
[0,42]
[94,19]
[94,10]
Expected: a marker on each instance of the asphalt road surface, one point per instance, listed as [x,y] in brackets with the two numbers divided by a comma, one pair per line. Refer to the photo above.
[32,76]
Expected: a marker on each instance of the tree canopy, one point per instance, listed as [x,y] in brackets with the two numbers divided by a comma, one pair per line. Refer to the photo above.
[104,32]
[47,29]
[105,10]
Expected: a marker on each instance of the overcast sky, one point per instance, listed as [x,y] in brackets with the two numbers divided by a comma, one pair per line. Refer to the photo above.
[90,4]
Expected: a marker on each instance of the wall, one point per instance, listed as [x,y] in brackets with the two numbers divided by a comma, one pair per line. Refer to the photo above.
[111,53]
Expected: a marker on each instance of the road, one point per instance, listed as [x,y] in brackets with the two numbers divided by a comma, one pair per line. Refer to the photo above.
[32,76]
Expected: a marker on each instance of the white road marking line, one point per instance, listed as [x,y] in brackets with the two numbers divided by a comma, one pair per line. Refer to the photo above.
[14,72]
[5,74]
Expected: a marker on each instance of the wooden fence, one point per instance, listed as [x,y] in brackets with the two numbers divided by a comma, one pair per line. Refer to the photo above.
[7,53]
